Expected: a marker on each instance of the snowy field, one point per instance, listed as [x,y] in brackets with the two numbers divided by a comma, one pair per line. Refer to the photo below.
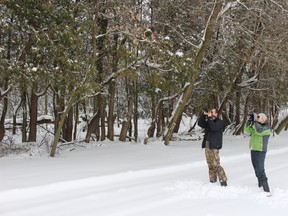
[129,179]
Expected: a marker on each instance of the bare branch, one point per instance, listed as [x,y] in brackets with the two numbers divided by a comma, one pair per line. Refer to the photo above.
[276,3]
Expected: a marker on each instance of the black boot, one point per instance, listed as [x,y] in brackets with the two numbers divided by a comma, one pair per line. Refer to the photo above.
[223,183]
[213,180]
[259,183]
[265,186]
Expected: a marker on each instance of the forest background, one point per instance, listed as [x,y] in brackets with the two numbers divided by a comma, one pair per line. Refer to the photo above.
[109,63]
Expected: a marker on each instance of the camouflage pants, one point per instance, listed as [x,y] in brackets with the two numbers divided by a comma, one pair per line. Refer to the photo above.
[213,161]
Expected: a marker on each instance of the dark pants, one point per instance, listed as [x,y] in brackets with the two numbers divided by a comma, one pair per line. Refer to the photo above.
[258,160]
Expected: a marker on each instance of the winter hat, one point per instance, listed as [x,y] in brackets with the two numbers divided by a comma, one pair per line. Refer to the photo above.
[262,118]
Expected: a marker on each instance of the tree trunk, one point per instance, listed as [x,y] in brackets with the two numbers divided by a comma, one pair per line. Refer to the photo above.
[127,118]
[282,125]
[76,119]
[96,125]
[112,90]
[59,129]
[7,88]
[59,109]
[160,120]
[55,109]
[33,115]
[124,130]
[102,24]
[68,126]
[93,123]
[177,126]
[111,117]
[102,116]
[4,111]
[91,127]
[14,128]
[151,130]
[178,113]
[136,115]
[199,57]
[239,128]
[154,110]
[24,115]
[2,131]
[237,114]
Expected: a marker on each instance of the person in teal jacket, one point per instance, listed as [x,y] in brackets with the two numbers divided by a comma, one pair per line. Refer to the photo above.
[259,128]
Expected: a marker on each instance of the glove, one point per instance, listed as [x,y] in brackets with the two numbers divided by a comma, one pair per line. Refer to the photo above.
[252,118]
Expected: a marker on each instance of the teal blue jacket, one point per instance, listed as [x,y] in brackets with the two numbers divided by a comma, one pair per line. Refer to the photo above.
[260,134]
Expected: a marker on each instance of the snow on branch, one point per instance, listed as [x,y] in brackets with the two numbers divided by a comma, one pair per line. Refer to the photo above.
[41,93]
[119,72]
[4,92]
[250,81]
[285,10]
[153,65]
[183,37]
[229,6]
[207,35]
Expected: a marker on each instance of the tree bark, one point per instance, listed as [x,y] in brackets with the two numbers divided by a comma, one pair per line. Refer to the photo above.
[282,125]
[102,112]
[112,91]
[199,57]
[237,114]
[68,126]
[239,128]
[126,123]
[7,88]
[76,119]
[59,129]
[4,110]
[160,119]
[111,117]
[24,114]
[91,127]
[127,118]
[33,116]
[136,115]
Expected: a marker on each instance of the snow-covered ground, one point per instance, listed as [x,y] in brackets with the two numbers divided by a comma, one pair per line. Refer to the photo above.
[129,179]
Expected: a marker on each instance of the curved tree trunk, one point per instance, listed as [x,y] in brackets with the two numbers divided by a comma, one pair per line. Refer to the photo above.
[282,125]
[199,57]
[59,129]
